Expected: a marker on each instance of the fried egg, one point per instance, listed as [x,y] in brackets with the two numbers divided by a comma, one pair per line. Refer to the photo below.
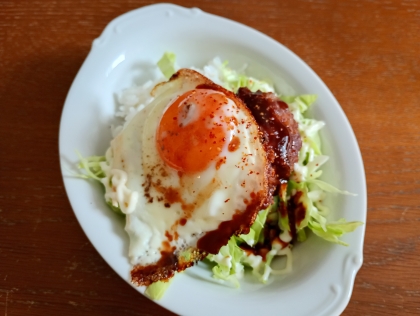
[189,172]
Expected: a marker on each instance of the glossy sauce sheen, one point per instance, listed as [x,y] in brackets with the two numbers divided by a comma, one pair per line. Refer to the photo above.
[296,212]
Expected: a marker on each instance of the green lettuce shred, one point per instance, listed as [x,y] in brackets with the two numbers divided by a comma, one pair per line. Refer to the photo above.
[156,290]
[254,236]
[92,167]
[330,188]
[228,262]
[233,80]
[93,170]
[304,101]
[167,64]
[334,230]
[301,235]
[231,259]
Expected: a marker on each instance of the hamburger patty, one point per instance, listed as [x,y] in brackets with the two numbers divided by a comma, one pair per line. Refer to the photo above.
[279,134]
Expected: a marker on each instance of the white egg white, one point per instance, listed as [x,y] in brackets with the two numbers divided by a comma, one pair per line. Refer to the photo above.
[212,196]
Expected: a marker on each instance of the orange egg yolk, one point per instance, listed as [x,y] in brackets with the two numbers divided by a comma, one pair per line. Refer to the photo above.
[192,133]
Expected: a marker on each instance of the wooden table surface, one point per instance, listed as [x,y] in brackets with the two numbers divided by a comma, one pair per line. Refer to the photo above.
[368,54]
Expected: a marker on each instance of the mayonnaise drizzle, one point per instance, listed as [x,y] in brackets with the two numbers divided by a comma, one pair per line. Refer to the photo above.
[116,190]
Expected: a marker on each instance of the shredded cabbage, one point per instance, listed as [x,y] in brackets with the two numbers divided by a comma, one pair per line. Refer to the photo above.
[156,290]
[233,80]
[91,166]
[167,64]
[228,262]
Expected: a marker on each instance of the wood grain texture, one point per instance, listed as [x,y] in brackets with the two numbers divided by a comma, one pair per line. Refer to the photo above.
[367,52]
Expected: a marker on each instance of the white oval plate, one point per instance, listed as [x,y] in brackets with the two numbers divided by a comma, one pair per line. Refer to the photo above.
[323,273]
